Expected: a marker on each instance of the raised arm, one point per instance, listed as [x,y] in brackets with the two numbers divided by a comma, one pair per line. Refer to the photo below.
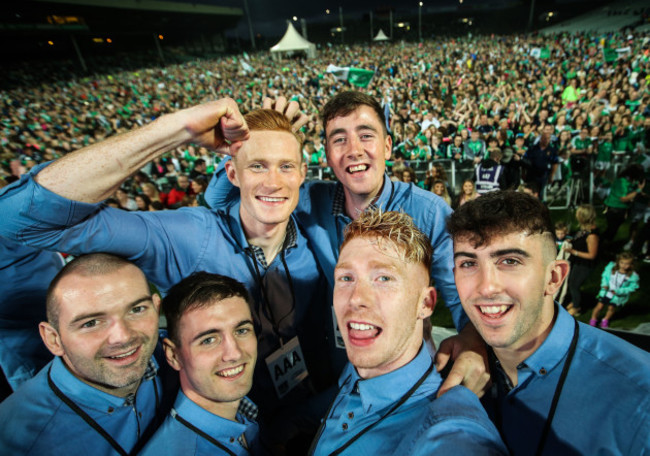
[93,173]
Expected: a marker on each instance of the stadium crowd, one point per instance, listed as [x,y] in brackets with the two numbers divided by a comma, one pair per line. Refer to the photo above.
[500,87]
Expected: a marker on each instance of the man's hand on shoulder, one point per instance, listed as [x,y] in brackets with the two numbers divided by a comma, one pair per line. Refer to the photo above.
[469,355]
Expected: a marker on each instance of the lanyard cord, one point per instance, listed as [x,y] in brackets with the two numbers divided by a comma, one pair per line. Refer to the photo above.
[558,390]
[92,423]
[267,311]
[199,432]
[554,402]
[290,281]
[401,401]
[266,306]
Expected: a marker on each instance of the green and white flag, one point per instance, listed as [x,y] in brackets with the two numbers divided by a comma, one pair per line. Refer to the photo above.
[540,53]
[609,55]
[355,76]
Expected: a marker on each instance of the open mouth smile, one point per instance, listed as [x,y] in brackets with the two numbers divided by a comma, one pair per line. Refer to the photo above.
[362,334]
[125,357]
[495,311]
[271,199]
[231,372]
[357,168]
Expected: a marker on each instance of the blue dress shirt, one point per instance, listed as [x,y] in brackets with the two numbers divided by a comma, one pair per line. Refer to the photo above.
[174,438]
[321,212]
[170,245]
[34,421]
[454,424]
[604,407]
[25,274]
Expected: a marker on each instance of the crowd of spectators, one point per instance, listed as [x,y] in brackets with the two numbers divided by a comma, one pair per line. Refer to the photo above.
[540,109]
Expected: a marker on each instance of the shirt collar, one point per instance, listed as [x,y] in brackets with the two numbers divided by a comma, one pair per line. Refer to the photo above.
[547,356]
[89,396]
[290,240]
[380,392]
[214,425]
[237,232]
[338,203]
[554,348]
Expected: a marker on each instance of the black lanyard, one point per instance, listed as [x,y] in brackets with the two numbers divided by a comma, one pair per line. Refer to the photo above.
[266,307]
[401,401]
[267,310]
[556,395]
[558,390]
[199,432]
[92,423]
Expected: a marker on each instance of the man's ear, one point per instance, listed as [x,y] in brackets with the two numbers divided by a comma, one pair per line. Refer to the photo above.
[303,172]
[51,338]
[389,147]
[155,298]
[558,272]
[231,172]
[170,354]
[427,303]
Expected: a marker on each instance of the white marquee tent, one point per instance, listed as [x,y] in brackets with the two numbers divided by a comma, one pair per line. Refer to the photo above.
[381,36]
[292,41]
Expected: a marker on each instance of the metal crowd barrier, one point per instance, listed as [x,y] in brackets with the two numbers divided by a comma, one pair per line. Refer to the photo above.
[579,188]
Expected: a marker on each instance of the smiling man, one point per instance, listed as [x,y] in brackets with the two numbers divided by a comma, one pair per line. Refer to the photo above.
[256,240]
[212,345]
[357,147]
[387,402]
[559,386]
[101,394]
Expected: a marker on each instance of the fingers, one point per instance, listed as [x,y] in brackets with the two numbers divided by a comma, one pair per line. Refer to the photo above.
[291,111]
[468,370]
[230,148]
[452,380]
[233,126]
[443,354]
[300,122]
[279,104]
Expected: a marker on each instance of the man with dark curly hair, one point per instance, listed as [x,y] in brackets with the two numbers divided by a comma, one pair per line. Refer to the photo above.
[559,386]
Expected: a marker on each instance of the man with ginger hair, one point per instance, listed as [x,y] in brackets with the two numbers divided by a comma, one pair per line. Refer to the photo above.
[357,147]
[256,241]
[387,402]
[558,386]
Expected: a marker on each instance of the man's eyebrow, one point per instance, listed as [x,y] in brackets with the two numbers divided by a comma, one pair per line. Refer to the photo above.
[205,333]
[504,252]
[86,316]
[337,131]
[218,331]
[495,254]
[464,254]
[371,264]
[366,127]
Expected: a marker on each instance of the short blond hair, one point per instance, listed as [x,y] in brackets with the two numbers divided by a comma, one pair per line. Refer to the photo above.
[395,227]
